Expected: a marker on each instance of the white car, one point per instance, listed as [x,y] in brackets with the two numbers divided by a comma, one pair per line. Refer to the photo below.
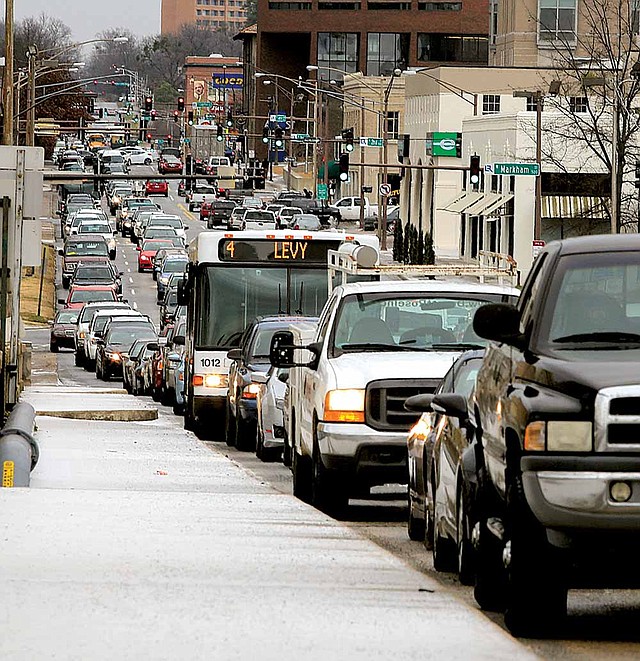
[270,405]
[139,156]
[103,229]
[175,222]
[84,320]
[255,219]
[285,217]
[96,326]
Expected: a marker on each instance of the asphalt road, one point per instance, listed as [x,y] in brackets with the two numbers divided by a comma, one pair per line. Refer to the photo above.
[602,624]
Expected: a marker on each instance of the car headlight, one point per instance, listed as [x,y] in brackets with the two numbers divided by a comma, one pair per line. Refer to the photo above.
[345,405]
[559,436]
[81,335]
[115,356]
[164,280]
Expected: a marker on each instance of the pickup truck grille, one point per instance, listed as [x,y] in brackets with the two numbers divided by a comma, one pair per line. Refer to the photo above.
[384,403]
[617,419]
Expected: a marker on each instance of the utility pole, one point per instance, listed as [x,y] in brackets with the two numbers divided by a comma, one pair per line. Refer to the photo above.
[7,80]
[537,227]
[31,97]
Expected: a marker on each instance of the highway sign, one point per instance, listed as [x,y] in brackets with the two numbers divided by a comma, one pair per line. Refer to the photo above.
[371,142]
[323,193]
[517,169]
[384,189]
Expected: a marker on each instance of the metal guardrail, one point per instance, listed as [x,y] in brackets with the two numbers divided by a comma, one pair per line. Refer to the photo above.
[19,451]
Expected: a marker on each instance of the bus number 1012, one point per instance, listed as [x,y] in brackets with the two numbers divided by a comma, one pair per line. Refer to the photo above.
[210,362]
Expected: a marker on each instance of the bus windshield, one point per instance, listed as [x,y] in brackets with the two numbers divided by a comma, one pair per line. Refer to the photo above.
[254,291]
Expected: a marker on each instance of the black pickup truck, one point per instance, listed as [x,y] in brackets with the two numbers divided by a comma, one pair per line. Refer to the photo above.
[557,418]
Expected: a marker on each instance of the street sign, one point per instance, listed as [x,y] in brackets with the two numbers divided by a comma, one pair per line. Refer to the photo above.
[517,169]
[323,193]
[384,189]
[299,136]
[160,141]
[443,143]
[202,104]
[371,142]
[536,247]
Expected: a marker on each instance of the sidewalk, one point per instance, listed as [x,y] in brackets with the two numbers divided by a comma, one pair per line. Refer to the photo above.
[137,541]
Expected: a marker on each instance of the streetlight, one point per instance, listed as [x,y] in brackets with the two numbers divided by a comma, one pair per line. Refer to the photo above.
[458,91]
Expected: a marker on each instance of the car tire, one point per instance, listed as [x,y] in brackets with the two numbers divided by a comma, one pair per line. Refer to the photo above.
[415,524]
[166,397]
[328,491]
[147,161]
[65,282]
[53,347]
[166,194]
[286,451]
[178,409]
[245,435]
[301,469]
[98,370]
[230,428]
[190,207]
[78,359]
[466,554]
[140,270]
[112,254]
[444,550]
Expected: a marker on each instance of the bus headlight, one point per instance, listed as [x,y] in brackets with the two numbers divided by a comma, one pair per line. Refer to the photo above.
[216,381]
[344,405]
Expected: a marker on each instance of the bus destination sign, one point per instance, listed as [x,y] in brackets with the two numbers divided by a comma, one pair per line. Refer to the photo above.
[307,251]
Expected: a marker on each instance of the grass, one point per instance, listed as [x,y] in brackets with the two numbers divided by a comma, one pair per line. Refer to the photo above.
[30,289]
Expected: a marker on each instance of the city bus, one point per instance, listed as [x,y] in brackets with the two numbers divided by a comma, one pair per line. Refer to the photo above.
[232,278]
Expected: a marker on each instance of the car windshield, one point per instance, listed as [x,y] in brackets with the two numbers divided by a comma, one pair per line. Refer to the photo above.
[260,215]
[594,304]
[174,265]
[155,245]
[86,295]
[170,222]
[93,274]
[87,248]
[160,231]
[89,312]
[66,317]
[419,322]
[87,228]
[127,334]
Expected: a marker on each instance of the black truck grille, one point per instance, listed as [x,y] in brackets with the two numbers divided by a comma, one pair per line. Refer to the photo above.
[384,406]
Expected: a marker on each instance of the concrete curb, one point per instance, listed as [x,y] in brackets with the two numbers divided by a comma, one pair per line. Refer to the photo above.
[117,415]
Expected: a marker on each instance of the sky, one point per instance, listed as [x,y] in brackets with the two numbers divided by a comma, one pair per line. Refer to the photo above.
[88,17]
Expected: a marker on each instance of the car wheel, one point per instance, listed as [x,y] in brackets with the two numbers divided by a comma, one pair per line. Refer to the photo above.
[78,359]
[415,524]
[178,409]
[53,347]
[112,254]
[65,282]
[98,370]
[191,207]
[286,451]
[301,469]
[245,435]
[260,449]
[147,161]
[230,428]
[466,562]
[328,491]
[444,550]
[166,194]
[165,397]
[140,270]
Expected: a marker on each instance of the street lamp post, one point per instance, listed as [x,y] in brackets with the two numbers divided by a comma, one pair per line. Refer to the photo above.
[382,217]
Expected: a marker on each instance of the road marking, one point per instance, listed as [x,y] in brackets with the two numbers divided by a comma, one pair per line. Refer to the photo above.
[131,280]
[186,211]
[133,292]
[171,197]
[126,263]
[128,270]
[135,305]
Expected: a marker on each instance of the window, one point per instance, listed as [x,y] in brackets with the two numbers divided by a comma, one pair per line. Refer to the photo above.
[440,6]
[578,104]
[493,21]
[394,6]
[490,104]
[634,19]
[557,20]
[386,51]
[330,6]
[338,50]
[393,125]
[452,48]
[532,105]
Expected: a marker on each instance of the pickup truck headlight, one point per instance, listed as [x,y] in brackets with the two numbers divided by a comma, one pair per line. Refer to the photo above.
[559,436]
[345,405]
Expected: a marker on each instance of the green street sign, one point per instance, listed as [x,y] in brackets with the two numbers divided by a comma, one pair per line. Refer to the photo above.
[371,142]
[516,169]
[323,193]
[202,104]
[160,141]
[444,143]
[299,136]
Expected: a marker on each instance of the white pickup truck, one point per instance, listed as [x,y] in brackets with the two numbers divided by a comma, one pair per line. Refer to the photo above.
[375,345]
[200,193]
[349,208]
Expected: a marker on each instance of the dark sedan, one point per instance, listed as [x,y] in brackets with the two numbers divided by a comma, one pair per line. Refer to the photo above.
[63,330]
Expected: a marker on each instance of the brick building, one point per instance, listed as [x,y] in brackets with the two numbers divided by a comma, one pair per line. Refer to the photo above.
[228,14]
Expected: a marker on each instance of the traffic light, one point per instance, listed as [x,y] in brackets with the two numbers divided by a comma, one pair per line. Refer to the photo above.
[347,136]
[229,118]
[149,137]
[169,139]
[279,139]
[176,116]
[181,104]
[148,103]
[474,169]
[154,115]
[219,133]
[343,167]
[265,134]
[190,118]
[100,113]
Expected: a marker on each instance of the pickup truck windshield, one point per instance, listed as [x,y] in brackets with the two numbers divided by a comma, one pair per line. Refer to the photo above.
[594,305]
[85,248]
[422,322]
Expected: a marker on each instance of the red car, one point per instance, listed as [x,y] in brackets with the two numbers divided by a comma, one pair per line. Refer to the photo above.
[205,210]
[147,251]
[79,295]
[157,187]
[169,164]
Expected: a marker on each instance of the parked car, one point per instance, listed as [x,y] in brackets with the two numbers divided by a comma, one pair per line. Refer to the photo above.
[441,492]
[269,407]
[63,330]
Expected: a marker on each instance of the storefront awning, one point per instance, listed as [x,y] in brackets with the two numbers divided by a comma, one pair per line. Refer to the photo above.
[463,201]
[499,203]
[485,201]
[573,206]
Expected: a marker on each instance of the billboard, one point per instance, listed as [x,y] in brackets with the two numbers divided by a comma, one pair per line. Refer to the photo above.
[227,81]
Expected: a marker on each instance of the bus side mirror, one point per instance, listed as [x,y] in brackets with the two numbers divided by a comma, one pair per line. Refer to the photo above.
[183,293]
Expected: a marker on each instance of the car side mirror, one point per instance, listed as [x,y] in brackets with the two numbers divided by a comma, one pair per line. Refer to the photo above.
[186,227]
[179,340]
[419,403]
[451,404]
[62,301]
[139,248]
[183,293]
[99,341]
[499,322]
[234,354]
[58,213]
[259,377]
[153,346]
[283,377]
[61,252]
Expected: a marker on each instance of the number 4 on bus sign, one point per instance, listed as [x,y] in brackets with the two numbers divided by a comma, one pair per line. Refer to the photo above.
[231,248]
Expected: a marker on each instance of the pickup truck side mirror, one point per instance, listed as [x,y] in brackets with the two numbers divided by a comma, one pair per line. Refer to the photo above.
[499,322]
[283,377]
[451,404]
[234,354]
[419,403]
[283,350]
[178,340]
